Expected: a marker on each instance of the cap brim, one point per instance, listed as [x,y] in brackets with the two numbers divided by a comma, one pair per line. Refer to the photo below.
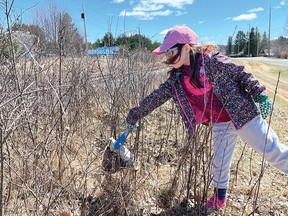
[162,49]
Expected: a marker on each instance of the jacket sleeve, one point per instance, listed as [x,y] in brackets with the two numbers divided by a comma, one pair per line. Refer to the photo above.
[149,103]
[246,80]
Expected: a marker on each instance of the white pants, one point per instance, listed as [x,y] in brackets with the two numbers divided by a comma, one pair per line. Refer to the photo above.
[254,133]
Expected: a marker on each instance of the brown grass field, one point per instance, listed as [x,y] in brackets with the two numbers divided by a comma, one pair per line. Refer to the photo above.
[55,132]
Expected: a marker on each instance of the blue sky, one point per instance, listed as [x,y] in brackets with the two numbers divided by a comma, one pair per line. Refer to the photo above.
[213,21]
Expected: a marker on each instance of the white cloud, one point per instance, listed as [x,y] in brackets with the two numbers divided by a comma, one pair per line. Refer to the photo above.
[118,1]
[253,10]
[200,22]
[169,3]
[144,15]
[148,9]
[227,18]
[245,17]
[180,13]
[281,4]
[173,3]
[164,32]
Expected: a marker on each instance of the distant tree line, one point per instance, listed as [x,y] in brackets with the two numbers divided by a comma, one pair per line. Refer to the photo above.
[245,44]
[129,42]
[254,44]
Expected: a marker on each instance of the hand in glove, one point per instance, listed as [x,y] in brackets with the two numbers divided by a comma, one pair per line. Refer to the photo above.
[117,145]
[121,139]
[131,127]
[265,104]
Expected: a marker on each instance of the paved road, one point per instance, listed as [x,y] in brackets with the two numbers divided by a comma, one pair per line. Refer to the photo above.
[273,61]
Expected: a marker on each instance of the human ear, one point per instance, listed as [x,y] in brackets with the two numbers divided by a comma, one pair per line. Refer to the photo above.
[187,48]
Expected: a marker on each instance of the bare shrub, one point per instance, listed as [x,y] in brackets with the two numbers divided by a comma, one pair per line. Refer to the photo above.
[56,116]
[53,136]
[284,54]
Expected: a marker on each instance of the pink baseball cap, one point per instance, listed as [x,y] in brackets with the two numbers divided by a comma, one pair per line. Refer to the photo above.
[177,35]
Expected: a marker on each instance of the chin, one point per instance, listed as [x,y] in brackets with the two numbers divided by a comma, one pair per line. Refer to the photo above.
[176,66]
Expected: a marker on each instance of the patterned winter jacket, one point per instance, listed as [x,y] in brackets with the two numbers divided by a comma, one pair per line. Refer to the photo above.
[236,89]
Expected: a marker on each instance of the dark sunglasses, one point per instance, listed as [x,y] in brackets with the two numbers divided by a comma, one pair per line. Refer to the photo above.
[173,51]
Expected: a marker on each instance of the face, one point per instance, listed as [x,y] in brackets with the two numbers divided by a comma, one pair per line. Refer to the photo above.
[183,57]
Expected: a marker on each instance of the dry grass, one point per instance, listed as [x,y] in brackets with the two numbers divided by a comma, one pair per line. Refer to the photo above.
[245,169]
[53,166]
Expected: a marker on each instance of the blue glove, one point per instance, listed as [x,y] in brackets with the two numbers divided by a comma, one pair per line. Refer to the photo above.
[265,104]
[121,139]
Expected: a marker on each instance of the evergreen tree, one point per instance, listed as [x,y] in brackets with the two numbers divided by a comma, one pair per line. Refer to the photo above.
[108,39]
[264,44]
[229,46]
[136,41]
[252,46]
[97,43]
[240,43]
[70,38]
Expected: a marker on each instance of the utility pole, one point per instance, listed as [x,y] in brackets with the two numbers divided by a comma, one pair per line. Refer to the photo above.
[139,33]
[85,33]
[256,42]
[232,40]
[269,43]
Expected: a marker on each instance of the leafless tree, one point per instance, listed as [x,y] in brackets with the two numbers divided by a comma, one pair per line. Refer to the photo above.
[58,26]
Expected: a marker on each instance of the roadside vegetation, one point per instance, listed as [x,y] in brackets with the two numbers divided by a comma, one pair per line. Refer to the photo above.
[57,113]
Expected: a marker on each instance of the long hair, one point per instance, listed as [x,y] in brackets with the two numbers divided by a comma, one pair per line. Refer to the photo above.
[196,57]
[196,61]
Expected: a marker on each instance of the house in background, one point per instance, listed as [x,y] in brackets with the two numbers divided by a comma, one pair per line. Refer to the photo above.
[105,52]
